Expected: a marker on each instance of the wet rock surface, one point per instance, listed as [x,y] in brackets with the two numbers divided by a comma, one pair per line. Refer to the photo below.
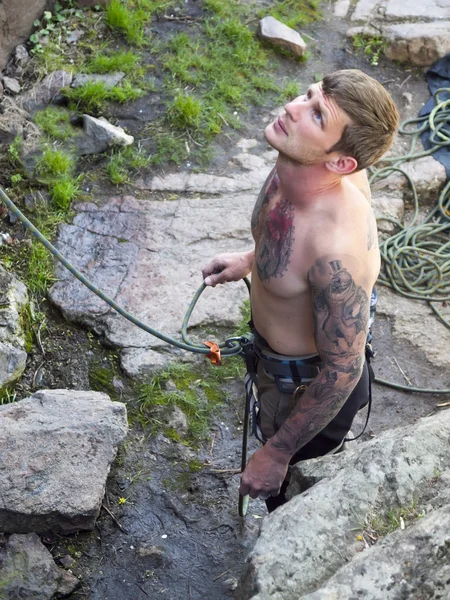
[57,448]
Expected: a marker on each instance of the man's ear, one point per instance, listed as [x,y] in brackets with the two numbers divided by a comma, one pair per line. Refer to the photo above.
[342,165]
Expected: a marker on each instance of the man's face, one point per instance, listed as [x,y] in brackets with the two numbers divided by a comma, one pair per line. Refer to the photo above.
[308,127]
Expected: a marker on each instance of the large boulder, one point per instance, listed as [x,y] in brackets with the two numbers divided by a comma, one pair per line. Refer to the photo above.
[16,23]
[13,302]
[320,530]
[56,449]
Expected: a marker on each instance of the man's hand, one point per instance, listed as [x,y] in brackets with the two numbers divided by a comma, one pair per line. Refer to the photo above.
[264,473]
[228,267]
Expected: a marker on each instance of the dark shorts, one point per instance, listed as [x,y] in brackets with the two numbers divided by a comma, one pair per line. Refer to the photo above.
[276,401]
[276,406]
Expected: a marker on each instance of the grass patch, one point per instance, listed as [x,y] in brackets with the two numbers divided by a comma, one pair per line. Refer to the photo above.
[64,190]
[92,96]
[197,390]
[7,396]
[294,13]
[125,61]
[55,123]
[381,525]
[120,17]
[371,46]
[54,163]
[124,163]
[190,390]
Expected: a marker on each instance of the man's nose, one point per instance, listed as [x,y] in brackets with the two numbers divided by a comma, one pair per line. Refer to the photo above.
[294,108]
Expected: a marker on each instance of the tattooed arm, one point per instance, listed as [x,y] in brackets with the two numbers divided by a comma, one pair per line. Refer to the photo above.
[340,296]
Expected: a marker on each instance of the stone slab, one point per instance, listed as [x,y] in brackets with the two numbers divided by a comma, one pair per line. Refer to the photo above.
[420,44]
[135,250]
[275,32]
[366,9]
[398,10]
[56,449]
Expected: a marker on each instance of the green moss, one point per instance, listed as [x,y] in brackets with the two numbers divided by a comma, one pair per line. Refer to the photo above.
[26,321]
[195,465]
[101,378]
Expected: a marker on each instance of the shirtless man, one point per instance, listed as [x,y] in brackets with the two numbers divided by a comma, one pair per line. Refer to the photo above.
[314,264]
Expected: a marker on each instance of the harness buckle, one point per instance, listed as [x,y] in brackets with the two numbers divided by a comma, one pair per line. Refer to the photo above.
[214,354]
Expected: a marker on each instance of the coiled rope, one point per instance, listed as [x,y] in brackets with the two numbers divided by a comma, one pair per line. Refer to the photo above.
[416,259]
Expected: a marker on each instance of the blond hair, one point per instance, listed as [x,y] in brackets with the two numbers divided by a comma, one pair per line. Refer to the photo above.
[373,114]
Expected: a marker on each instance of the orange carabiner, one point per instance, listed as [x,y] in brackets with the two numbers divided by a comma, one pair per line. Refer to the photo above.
[214,355]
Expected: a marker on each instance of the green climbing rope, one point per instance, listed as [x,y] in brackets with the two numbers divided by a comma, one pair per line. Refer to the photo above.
[416,259]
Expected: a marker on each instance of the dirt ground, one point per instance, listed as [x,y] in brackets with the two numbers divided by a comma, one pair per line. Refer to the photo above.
[177,535]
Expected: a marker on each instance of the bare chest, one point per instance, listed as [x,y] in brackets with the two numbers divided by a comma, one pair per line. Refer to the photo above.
[279,233]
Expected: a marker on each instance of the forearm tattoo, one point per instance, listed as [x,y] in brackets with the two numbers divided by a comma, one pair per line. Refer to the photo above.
[341,318]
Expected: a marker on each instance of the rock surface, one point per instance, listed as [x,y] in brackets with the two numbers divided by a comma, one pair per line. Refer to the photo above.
[11,85]
[99,135]
[14,121]
[43,93]
[308,540]
[16,23]
[275,32]
[409,564]
[108,81]
[415,321]
[415,32]
[56,450]
[13,301]
[427,174]
[27,570]
[417,44]
[387,206]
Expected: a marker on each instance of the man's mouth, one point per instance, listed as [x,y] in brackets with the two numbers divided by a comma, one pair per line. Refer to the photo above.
[281,126]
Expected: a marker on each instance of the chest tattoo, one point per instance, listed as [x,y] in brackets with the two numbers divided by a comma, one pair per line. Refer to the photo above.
[276,242]
[267,192]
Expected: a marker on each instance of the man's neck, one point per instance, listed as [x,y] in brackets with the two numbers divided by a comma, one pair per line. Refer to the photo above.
[302,184]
